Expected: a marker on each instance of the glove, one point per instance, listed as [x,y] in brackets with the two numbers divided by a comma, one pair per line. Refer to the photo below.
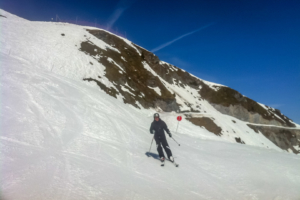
[170,134]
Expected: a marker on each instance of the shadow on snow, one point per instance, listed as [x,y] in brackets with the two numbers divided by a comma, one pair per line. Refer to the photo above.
[153,155]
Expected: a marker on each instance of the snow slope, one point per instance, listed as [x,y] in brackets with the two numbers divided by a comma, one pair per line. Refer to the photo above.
[62,138]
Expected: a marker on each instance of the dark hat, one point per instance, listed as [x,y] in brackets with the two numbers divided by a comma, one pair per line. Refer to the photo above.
[156,115]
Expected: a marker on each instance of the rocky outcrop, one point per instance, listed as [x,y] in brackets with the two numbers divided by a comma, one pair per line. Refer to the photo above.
[231,102]
[286,139]
[239,140]
[127,71]
[207,123]
[243,114]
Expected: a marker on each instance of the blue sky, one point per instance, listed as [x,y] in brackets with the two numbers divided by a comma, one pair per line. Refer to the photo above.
[252,46]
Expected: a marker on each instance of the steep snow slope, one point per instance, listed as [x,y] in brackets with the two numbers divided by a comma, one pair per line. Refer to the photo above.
[64,139]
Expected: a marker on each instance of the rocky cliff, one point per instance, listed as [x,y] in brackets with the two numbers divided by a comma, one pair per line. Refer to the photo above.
[287,139]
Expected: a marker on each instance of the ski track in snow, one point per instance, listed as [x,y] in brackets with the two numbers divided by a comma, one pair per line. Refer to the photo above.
[62,138]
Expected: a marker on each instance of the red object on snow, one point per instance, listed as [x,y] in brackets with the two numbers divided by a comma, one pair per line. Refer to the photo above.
[179,118]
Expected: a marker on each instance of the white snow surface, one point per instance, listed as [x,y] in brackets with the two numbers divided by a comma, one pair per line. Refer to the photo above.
[127,90]
[10,16]
[63,138]
[112,61]
[156,89]
[212,85]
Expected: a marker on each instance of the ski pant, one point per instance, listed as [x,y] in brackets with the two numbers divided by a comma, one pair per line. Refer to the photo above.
[161,141]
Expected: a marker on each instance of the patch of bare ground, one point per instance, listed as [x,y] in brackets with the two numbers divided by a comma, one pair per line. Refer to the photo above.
[208,123]
[253,128]
[109,91]
[239,140]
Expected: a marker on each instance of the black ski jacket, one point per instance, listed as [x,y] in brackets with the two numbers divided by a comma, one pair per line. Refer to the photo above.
[159,127]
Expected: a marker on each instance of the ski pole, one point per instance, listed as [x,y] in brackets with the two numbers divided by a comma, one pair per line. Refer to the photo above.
[175,141]
[151,143]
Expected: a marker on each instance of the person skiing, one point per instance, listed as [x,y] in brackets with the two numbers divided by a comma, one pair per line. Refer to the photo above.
[157,128]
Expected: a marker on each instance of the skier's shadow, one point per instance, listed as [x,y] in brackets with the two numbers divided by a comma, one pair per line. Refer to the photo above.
[153,155]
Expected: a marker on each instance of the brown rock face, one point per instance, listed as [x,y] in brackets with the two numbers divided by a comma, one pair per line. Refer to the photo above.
[231,102]
[208,123]
[133,73]
[284,138]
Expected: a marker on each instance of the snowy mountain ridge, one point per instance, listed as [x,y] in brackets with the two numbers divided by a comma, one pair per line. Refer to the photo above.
[65,138]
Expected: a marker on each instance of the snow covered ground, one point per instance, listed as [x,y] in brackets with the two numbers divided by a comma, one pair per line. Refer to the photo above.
[63,138]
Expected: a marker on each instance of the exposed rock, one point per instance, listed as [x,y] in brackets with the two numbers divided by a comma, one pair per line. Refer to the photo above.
[133,73]
[239,140]
[284,138]
[253,127]
[243,114]
[109,91]
[166,106]
[208,123]
[148,56]
[231,102]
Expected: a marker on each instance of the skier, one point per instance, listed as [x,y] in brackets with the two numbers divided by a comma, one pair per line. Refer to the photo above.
[157,128]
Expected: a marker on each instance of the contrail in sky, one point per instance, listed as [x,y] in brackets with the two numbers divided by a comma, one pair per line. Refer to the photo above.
[121,7]
[180,37]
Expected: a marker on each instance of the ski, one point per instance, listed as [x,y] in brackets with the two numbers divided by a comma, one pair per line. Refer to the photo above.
[175,164]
